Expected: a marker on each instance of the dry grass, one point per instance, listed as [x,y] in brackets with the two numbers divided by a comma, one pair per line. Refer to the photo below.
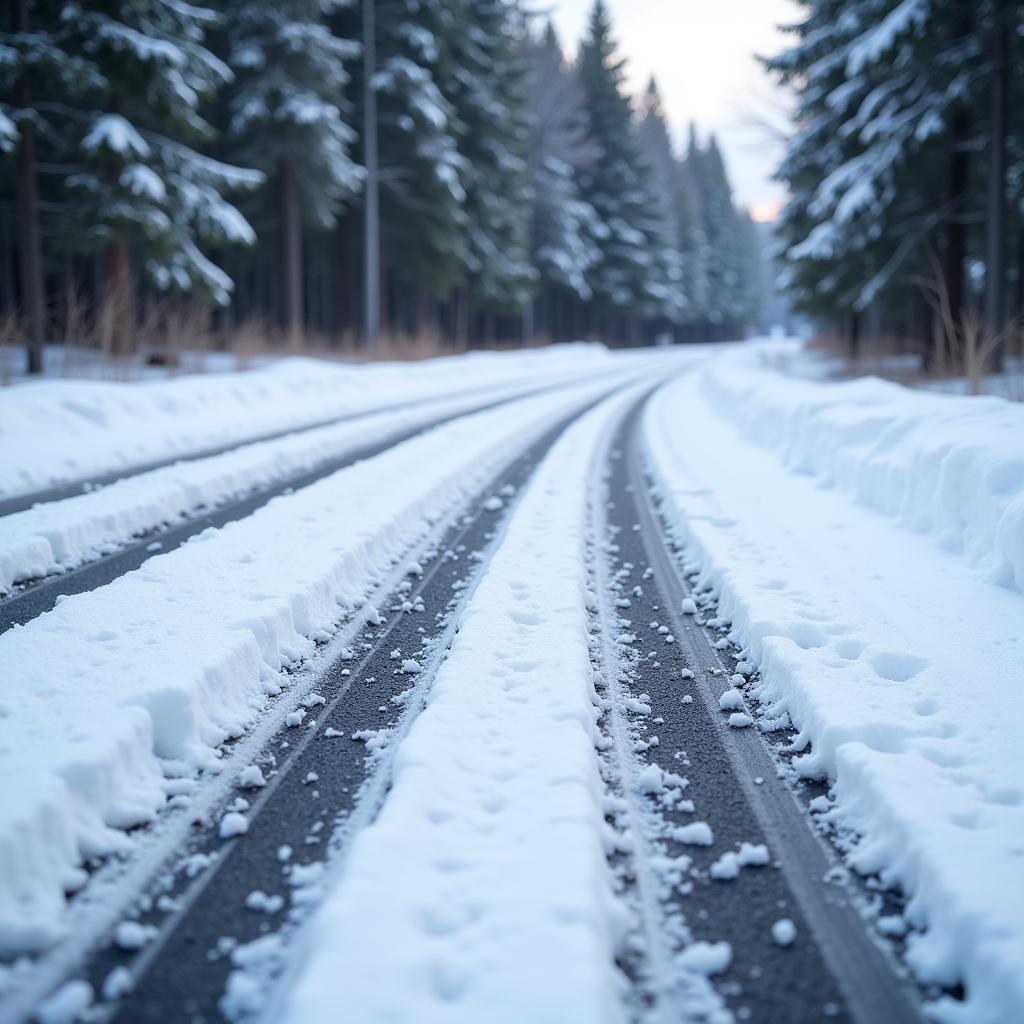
[964,348]
[12,344]
[175,336]
[870,347]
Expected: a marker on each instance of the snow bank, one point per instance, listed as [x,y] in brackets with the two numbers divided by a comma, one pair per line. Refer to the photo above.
[60,535]
[54,432]
[116,689]
[481,892]
[949,467]
[812,512]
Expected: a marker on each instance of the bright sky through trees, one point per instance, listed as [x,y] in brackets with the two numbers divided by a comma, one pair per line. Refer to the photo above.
[702,55]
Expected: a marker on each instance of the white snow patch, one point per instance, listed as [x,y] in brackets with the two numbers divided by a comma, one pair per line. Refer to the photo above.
[731,700]
[697,833]
[233,824]
[132,935]
[66,1005]
[784,932]
[706,957]
[885,512]
[484,877]
[251,777]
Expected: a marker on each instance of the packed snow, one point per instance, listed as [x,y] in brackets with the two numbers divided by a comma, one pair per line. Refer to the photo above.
[855,552]
[119,688]
[60,431]
[867,544]
[61,535]
[494,821]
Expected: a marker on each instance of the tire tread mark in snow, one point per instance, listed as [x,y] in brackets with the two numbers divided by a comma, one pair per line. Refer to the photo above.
[798,983]
[74,488]
[180,976]
[37,597]
[650,949]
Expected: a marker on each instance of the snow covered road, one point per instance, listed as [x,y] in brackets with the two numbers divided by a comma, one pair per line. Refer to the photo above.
[114,429]
[56,536]
[476,729]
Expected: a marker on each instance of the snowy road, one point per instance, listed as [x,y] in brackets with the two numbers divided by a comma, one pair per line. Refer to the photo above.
[78,543]
[456,727]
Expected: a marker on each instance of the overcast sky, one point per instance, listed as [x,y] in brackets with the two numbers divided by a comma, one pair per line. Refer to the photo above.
[701,52]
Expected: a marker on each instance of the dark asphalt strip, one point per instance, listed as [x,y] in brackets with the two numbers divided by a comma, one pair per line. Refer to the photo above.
[27,602]
[833,970]
[181,974]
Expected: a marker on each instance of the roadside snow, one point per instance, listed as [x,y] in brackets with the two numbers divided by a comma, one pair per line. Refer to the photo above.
[481,892]
[950,468]
[116,689]
[867,544]
[60,535]
[60,431]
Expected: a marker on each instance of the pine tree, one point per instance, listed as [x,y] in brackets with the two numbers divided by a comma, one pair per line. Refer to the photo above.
[422,172]
[728,285]
[23,55]
[288,118]
[565,229]
[677,211]
[143,71]
[895,118]
[487,90]
[694,252]
[633,278]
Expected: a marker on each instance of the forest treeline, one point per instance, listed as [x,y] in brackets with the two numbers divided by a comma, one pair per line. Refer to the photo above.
[158,148]
[906,172]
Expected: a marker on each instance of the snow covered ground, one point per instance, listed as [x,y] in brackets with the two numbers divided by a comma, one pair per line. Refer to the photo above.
[495,819]
[867,544]
[119,689]
[864,541]
[56,431]
[60,535]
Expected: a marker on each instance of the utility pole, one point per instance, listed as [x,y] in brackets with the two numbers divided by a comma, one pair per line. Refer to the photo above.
[371,207]
[995,269]
[29,248]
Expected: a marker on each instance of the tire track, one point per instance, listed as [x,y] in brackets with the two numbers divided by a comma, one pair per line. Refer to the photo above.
[731,891]
[70,489]
[37,597]
[199,896]
[666,986]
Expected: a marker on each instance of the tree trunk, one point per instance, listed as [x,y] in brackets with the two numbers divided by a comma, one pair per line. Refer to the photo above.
[29,250]
[373,261]
[117,315]
[995,263]
[1019,298]
[956,232]
[384,296]
[290,227]
[346,299]
[462,316]
[423,315]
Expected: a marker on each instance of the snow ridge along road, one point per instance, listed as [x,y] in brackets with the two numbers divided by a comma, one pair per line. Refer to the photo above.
[765,864]
[120,429]
[117,529]
[891,655]
[206,632]
[494,821]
